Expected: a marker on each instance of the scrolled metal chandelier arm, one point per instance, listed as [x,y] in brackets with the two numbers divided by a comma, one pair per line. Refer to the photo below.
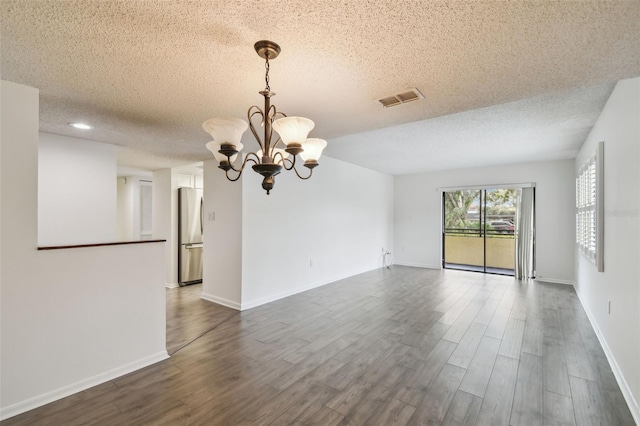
[283,160]
[256,111]
[278,113]
[293,167]
[270,112]
[227,165]
[230,178]
[266,143]
[247,158]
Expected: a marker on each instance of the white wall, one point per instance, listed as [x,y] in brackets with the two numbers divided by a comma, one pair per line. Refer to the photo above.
[76,191]
[418,213]
[72,328]
[312,232]
[65,323]
[122,210]
[163,223]
[304,234]
[129,207]
[222,238]
[619,127]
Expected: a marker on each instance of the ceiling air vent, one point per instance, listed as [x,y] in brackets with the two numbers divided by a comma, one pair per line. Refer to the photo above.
[401,98]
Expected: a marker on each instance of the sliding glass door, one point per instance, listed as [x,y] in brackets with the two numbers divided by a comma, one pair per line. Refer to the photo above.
[463,236]
[478,230]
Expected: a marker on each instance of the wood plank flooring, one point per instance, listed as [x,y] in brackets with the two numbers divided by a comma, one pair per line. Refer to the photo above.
[389,347]
[189,317]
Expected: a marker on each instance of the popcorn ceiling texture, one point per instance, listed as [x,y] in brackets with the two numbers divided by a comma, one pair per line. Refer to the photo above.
[547,127]
[146,74]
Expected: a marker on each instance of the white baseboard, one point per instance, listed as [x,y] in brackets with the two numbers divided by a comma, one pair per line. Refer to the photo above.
[555,281]
[54,395]
[624,387]
[172,285]
[220,301]
[418,265]
[273,297]
[300,289]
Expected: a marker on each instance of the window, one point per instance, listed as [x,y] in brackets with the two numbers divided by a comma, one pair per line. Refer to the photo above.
[590,208]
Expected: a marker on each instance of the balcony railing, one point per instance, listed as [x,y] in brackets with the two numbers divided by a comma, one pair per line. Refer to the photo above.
[478,232]
[466,246]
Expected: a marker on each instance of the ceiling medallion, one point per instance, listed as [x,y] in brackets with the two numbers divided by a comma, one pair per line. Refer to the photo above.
[269,160]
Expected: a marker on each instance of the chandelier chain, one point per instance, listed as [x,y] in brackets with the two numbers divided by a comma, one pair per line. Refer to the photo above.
[266,75]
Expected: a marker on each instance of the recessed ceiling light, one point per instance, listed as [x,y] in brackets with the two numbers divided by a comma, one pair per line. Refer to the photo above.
[81,126]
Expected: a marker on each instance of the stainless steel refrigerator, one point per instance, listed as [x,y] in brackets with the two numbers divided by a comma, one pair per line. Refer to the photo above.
[190,215]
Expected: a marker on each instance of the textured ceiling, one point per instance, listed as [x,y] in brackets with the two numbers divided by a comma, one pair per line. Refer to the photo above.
[546,127]
[146,74]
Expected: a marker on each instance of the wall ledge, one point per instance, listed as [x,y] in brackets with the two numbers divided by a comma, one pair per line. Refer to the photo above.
[56,394]
[115,243]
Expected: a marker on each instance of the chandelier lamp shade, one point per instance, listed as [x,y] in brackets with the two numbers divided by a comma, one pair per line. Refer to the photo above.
[274,155]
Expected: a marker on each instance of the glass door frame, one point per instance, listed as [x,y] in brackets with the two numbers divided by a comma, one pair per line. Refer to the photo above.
[482,218]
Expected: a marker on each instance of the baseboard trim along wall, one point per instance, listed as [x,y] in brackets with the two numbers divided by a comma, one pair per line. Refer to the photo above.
[624,387]
[63,392]
[172,285]
[272,298]
[417,265]
[296,290]
[555,281]
[220,301]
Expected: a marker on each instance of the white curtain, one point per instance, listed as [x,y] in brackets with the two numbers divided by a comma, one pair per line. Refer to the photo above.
[524,234]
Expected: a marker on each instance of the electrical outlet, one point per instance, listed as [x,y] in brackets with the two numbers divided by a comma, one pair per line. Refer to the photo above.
[310,263]
[609,307]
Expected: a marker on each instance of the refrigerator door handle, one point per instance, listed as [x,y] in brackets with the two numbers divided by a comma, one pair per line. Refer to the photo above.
[201,216]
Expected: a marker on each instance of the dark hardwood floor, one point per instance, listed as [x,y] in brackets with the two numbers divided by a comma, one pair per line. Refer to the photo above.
[398,346]
[189,317]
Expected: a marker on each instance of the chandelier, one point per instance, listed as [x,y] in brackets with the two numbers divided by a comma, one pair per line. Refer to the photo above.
[270,159]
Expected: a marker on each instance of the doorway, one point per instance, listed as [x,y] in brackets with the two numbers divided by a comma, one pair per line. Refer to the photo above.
[478,231]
